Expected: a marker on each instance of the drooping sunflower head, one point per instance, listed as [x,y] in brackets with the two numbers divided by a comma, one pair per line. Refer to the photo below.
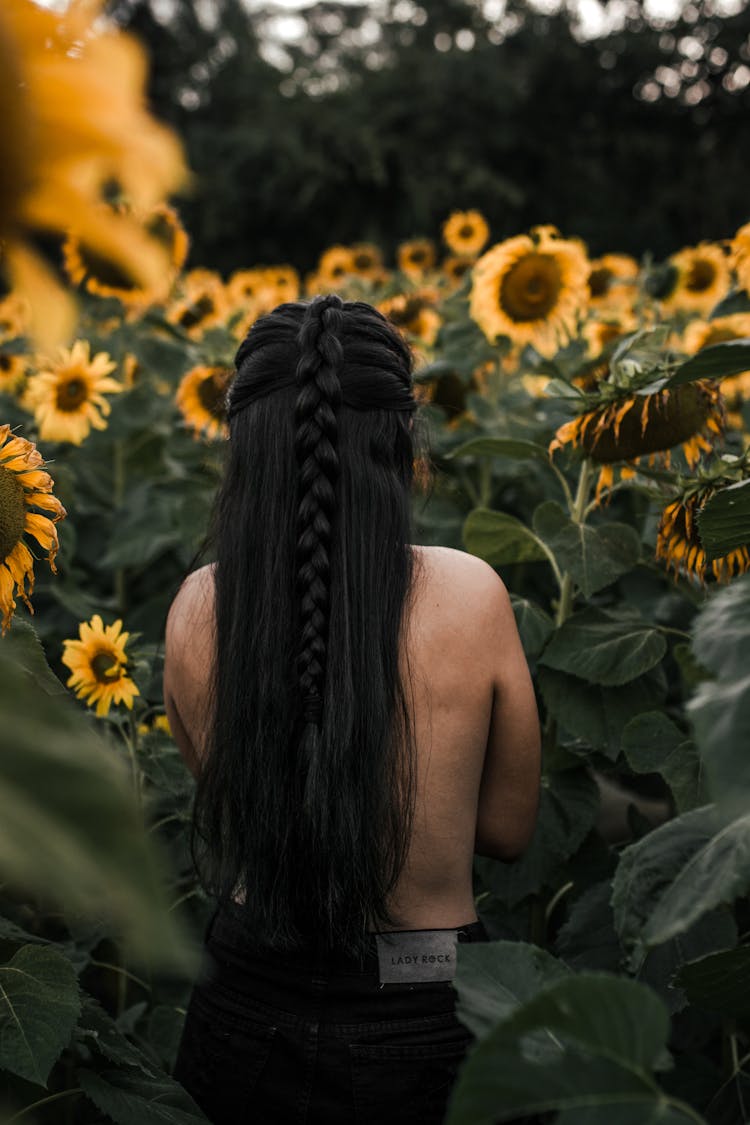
[701,278]
[740,256]
[66,395]
[414,314]
[612,281]
[336,263]
[201,398]
[703,334]
[24,487]
[466,233]
[99,665]
[416,258]
[679,544]
[690,416]
[531,289]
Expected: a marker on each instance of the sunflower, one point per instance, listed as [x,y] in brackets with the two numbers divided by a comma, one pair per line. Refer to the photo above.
[416,258]
[740,256]
[85,266]
[531,289]
[336,263]
[24,486]
[15,316]
[635,425]
[414,313]
[703,334]
[466,232]
[98,665]
[204,305]
[701,278]
[601,334]
[12,371]
[201,397]
[67,395]
[367,261]
[72,98]
[678,542]
[455,268]
[611,281]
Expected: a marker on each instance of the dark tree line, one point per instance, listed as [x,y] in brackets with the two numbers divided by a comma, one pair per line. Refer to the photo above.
[635,141]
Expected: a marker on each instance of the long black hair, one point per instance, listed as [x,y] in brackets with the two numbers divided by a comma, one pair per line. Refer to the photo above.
[305,801]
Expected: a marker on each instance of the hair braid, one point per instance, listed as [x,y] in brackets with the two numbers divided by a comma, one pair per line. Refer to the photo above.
[316,441]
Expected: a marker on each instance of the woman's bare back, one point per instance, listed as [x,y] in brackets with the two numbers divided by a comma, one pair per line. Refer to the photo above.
[474,715]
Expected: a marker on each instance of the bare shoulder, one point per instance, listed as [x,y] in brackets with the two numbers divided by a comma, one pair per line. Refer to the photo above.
[464,582]
[192,608]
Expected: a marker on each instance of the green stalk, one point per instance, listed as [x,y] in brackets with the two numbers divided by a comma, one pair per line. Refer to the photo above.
[118,495]
[577,515]
[42,1101]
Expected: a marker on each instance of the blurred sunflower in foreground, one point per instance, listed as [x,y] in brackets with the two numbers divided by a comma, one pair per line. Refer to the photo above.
[98,665]
[532,289]
[201,398]
[67,395]
[24,486]
[73,122]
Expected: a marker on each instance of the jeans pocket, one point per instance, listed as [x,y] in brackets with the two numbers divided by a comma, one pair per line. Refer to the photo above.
[404,1084]
[221,1059]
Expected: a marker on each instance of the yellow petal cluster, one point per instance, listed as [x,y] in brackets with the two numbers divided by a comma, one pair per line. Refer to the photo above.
[66,396]
[466,232]
[702,279]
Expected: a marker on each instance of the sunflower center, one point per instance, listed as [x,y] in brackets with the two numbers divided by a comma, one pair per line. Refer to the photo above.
[466,231]
[6,363]
[599,280]
[105,666]
[700,276]
[105,272]
[363,261]
[530,289]
[197,311]
[417,256]
[71,394]
[12,511]
[211,393]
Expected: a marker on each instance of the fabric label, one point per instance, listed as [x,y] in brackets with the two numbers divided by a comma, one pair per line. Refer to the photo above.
[414,956]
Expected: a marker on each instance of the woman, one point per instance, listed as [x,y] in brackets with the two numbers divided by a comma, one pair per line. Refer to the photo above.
[360,718]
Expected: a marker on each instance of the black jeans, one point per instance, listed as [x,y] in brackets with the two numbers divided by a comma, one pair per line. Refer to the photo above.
[298,1039]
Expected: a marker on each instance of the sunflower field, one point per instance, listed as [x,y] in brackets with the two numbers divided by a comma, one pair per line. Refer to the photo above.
[589,436]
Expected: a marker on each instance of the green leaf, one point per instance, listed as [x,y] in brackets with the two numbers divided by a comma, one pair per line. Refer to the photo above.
[588,940]
[724,520]
[22,645]
[610,1035]
[719,982]
[652,743]
[134,1099]
[603,648]
[568,808]
[499,538]
[596,714]
[98,1030]
[500,447]
[69,826]
[39,1006]
[495,978]
[718,361]
[534,625]
[593,556]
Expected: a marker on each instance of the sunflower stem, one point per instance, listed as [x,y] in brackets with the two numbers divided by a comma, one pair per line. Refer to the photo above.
[485,482]
[43,1101]
[578,516]
[118,495]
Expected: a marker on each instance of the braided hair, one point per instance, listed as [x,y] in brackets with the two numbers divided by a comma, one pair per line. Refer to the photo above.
[305,799]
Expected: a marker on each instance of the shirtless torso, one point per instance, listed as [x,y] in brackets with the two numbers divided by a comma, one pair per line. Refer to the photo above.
[475,717]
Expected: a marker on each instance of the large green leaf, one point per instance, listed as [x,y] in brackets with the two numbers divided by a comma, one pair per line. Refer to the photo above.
[39,1006]
[499,538]
[495,978]
[719,982]
[534,625]
[611,1035]
[69,825]
[720,360]
[597,714]
[720,708]
[652,743]
[568,808]
[588,940]
[500,447]
[132,1098]
[603,648]
[724,520]
[593,556]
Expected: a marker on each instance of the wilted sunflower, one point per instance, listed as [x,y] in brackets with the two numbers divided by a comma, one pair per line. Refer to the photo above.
[703,334]
[636,425]
[67,395]
[740,256]
[72,122]
[612,282]
[415,314]
[702,278]
[204,304]
[84,266]
[678,542]
[530,289]
[201,397]
[24,486]
[466,232]
[415,258]
[99,665]
[336,263]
